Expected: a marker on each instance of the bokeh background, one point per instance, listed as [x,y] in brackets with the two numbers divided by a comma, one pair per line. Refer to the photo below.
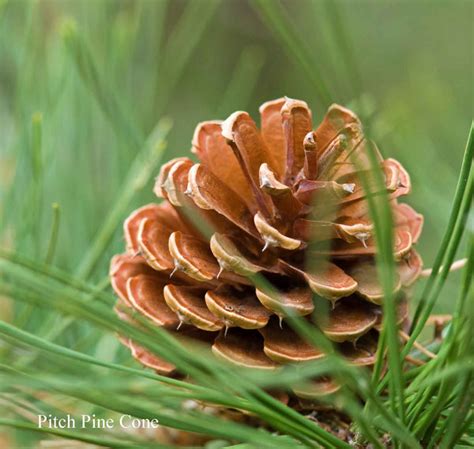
[84,83]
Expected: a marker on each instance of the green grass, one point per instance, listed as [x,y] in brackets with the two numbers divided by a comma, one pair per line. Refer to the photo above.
[95,95]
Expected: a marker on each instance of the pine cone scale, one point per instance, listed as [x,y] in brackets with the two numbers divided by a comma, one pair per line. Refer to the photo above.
[145,293]
[210,146]
[237,348]
[297,300]
[189,305]
[297,123]
[237,309]
[283,345]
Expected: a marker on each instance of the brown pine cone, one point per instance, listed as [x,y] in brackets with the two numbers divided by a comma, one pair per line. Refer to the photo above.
[283,202]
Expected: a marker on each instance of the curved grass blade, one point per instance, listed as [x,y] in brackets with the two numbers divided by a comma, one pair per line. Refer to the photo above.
[446,253]
[79,436]
[138,176]
[276,17]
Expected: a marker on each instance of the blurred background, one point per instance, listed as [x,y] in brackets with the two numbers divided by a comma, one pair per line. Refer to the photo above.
[83,85]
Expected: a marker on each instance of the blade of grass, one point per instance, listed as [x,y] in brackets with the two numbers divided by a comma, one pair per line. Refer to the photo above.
[429,400]
[275,16]
[110,322]
[355,378]
[42,344]
[424,304]
[343,373]
[37,181]
[453,245]
[53,238]
[459,342]
[243,81]
[79,436]
[179,48]
[200,422]
[458,218]
[381,216]
[344,43]
[138,176]
[103,92]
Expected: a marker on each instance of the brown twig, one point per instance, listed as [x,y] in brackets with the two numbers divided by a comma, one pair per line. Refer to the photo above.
[418,346]
[414,361]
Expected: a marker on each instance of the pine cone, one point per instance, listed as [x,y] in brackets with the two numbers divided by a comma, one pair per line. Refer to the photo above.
[285,203]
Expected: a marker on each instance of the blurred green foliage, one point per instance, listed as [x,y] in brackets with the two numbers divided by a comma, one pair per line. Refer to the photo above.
[88,87]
